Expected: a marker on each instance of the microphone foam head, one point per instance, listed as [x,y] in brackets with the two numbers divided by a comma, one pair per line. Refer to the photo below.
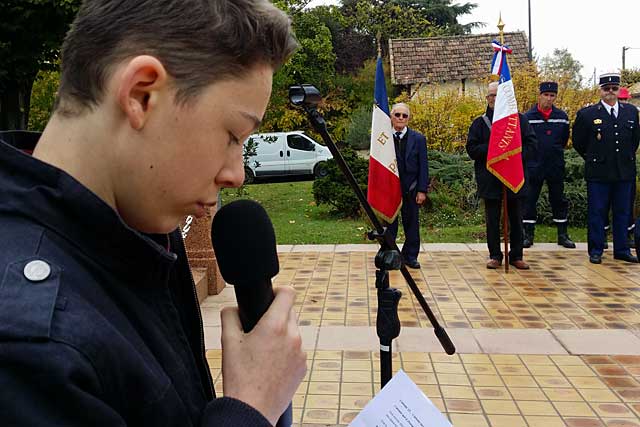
[244,243]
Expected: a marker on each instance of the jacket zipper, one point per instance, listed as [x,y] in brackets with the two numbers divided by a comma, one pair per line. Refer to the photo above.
[195,296]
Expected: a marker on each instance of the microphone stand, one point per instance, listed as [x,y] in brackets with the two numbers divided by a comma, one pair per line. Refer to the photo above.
[387,258]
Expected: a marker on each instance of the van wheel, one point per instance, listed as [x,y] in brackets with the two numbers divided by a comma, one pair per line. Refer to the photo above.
[249,176]
[320,170]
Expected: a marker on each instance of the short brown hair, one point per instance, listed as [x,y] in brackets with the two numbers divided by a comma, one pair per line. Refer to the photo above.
[199,42]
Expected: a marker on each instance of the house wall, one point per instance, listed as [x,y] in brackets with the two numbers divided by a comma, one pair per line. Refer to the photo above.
[471,88]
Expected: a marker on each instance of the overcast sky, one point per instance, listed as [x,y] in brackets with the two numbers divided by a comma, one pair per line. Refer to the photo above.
[593,31]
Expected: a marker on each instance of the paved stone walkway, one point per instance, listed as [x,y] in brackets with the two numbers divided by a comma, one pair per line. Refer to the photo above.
[558,345]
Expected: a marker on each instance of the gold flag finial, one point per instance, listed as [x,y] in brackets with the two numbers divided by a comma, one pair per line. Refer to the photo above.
[501,28]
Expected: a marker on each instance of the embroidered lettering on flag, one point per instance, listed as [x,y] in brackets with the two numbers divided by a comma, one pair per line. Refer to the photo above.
[383,193]
[504,158]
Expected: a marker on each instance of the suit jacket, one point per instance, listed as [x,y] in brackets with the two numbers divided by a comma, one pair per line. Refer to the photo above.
[414,167]
[607,146]
[490,187]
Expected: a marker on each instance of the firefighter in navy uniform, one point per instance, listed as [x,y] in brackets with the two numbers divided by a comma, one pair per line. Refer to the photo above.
[551,125]
[606,135]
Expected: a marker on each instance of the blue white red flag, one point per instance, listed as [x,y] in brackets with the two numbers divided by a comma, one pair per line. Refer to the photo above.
[383,192]
[504,158]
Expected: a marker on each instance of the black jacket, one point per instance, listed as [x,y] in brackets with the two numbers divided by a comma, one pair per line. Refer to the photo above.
[552,136]
[112,335]
[490,187]
[607,146]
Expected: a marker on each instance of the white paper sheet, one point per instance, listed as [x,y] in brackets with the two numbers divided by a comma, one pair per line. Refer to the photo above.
[400,404]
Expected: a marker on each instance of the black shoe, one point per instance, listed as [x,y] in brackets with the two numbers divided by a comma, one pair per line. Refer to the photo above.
[631,243]
[606,244]
[595,259]
[527,243]
[626,257]
[565,241]
[412,264]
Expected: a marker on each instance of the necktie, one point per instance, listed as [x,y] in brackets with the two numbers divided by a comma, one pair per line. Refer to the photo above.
[399,146]
[613,113]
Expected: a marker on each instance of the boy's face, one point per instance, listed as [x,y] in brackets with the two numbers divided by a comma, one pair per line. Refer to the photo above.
[176,164]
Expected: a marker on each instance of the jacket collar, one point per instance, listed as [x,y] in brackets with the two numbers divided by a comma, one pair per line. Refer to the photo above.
[55,200]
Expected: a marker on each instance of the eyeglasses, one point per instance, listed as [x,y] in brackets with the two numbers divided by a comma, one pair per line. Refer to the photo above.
[610,88]
[403,115]
[491,95]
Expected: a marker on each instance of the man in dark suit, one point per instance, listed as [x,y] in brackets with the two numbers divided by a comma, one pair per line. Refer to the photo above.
[606,135]
[551,125]
[490,188]
[413,167]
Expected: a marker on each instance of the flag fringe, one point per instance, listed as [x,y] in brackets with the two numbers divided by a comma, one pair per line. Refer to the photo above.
[504,156]
[387,219]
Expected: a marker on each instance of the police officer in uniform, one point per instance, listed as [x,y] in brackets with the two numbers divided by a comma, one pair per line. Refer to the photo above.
[606,135]
[551,125]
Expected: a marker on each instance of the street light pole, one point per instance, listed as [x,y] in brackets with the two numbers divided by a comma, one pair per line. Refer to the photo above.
[530,49]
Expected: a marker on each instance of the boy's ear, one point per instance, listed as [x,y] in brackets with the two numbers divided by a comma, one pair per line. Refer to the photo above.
[138,87]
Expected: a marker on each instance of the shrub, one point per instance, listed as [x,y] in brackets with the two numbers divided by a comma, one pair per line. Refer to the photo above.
[358,134]
[334,189]
[444,119]
[43,95]
[452,198]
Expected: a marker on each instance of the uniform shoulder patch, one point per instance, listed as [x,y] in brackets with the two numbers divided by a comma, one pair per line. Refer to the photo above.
[28,294]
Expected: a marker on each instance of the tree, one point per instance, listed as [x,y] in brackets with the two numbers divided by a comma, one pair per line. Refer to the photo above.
[385,19]
[630,76]
[31,32]
[561,65]
[352,48]
[313,62]
[444,15]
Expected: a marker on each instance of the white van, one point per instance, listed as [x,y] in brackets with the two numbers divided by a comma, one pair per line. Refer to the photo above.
[286,153]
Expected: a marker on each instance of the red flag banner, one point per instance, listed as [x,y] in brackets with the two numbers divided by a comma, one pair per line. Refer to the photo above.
[504,158]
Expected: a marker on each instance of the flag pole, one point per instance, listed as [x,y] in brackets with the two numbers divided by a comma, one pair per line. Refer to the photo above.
[505,213]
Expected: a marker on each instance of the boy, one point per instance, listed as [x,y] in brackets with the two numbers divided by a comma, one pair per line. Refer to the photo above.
[99,323]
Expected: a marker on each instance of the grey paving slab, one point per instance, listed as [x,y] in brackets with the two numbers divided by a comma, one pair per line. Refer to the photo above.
[599,341]
[284,248]
[212,335]
[518,341]
[478,247]
[547,246]
[358,247]
[313,248]
[356,338]
[446,247]
[424,340]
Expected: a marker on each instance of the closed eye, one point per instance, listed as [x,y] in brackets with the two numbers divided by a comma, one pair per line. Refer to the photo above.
[233,140]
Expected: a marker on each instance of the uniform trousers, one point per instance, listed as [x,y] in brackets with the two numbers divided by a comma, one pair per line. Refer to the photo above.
[601,195]
[493,212]
[559,203]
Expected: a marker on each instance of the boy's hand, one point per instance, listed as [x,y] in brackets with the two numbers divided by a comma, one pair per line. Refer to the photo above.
[264,367]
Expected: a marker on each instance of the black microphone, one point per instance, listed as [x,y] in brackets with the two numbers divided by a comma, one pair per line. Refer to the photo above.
[245,246]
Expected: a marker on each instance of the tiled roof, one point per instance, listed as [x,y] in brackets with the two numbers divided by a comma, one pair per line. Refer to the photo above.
[439,59]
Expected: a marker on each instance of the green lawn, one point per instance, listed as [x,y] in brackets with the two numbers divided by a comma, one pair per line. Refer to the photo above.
[297,219]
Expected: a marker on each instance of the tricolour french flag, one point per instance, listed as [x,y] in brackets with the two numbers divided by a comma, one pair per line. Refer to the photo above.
[504,158]
[383,192]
